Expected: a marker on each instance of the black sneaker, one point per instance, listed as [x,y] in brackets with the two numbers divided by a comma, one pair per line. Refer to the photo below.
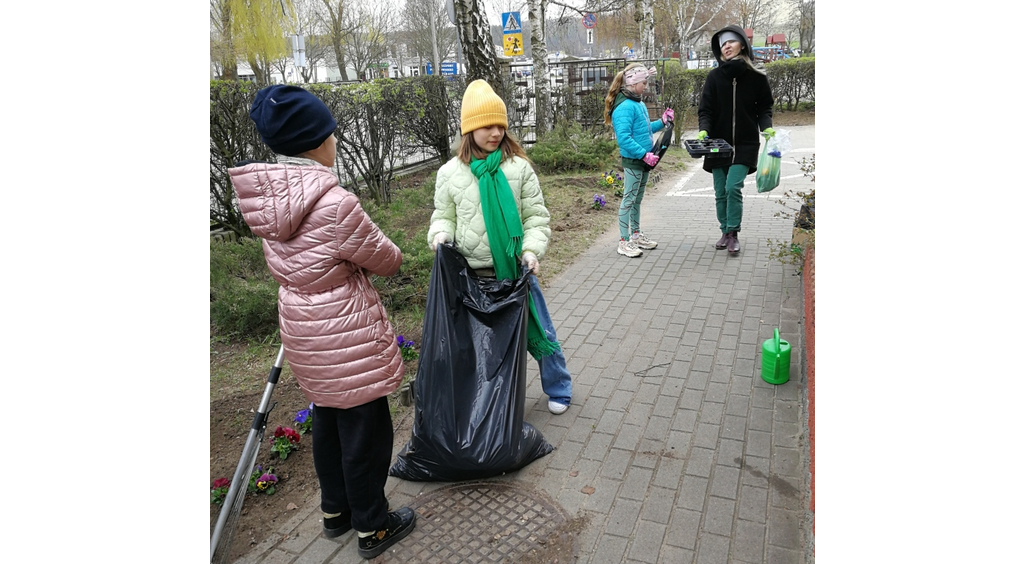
[337,526]
[400,524]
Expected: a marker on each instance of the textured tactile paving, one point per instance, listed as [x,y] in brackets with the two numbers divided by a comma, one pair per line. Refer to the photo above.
[492,522]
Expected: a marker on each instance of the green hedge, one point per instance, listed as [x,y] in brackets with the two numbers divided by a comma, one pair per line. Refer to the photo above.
[380,124]
[233,138]
[792,81]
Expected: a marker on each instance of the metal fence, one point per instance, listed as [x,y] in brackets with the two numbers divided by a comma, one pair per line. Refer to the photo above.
[578,89]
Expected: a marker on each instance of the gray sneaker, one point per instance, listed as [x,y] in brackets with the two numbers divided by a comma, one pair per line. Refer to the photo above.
[629,249]
[642,241]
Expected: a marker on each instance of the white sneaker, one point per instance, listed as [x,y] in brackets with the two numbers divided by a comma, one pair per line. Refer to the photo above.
[629,249]
[641,241]
[557,408]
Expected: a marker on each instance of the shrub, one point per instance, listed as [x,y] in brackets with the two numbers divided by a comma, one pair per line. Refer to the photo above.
[433,128]
[373,129]
[233,138]
[243,295]
[568,148]
[792,80]
[792,252]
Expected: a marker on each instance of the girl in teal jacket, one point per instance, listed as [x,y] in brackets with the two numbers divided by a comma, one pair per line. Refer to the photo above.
[634,132]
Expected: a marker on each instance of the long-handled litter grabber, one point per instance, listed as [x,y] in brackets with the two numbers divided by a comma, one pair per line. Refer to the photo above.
[229,512]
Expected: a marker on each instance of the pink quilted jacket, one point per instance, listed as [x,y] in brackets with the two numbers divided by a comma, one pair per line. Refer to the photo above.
[319,245]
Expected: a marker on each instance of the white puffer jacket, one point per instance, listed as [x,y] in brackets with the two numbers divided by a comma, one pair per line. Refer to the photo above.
[457,210]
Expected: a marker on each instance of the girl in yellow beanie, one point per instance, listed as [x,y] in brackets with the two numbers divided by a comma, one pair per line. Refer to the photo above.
[488,204]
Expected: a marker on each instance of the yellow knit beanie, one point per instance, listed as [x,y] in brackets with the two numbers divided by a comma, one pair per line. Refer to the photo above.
[481,107]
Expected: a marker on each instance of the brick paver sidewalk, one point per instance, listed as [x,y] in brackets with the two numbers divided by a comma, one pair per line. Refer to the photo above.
[674,449]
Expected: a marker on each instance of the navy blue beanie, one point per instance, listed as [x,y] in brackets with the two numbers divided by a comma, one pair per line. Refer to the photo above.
[290,120]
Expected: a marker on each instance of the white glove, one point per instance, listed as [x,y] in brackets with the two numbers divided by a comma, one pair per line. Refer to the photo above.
[530,261]
[439,239]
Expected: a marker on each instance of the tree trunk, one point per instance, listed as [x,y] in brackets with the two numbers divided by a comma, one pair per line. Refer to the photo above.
[475,38]
[433,42]
[644,17]
[541,82]
[339,57]
[228,61]
[647,32]
[259,72]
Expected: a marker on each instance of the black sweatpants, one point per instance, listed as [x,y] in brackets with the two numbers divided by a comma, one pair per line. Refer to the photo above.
[352,454]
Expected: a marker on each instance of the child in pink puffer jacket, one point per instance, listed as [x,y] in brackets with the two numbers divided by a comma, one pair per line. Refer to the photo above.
[321,247]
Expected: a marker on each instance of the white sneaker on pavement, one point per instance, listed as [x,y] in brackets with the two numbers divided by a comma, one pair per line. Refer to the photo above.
[557,408]
[641,241]
[629,249]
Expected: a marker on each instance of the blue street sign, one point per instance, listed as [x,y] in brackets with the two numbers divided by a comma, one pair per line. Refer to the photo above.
[447,69]
[510,23]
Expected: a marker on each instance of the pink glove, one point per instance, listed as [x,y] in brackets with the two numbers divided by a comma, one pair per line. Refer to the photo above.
[668,116]
[652,72]
[651,159]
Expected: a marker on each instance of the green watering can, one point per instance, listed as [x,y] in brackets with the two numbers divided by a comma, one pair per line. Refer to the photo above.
[775,360]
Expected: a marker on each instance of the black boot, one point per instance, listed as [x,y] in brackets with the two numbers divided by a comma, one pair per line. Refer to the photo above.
[400,523]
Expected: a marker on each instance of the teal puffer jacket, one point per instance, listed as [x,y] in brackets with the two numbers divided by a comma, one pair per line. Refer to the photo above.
[634,131]
[457,210]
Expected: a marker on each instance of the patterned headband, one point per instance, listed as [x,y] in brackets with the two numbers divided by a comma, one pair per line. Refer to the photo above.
[637,75]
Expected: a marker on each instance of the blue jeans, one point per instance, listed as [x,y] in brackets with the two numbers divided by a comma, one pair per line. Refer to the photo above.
[554,376]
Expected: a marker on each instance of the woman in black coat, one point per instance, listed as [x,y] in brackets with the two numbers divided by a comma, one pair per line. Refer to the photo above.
[735,105]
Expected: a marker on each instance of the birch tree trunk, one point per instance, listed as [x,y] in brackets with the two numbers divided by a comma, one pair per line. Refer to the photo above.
[433,41]
[475,38]
[541,82]
[644,16]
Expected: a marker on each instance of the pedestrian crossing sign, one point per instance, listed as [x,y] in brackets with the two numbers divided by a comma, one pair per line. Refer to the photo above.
[510,23]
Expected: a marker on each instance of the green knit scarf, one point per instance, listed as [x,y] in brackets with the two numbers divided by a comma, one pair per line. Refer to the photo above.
[505,234]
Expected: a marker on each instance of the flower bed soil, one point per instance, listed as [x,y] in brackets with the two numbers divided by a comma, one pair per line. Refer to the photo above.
[230,419]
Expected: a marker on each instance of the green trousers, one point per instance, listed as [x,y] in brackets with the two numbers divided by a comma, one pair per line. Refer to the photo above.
[632,194]
[729,196]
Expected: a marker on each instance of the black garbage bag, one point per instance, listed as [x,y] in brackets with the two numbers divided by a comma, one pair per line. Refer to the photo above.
[662,141]
[471,381]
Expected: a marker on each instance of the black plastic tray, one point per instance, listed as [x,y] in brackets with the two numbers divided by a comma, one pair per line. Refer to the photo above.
[714,147]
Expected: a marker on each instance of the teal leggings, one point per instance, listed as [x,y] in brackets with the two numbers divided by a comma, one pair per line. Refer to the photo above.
[632,195]
[729,196]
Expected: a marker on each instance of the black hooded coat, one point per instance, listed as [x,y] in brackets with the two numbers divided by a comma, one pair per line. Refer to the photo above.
[735,105]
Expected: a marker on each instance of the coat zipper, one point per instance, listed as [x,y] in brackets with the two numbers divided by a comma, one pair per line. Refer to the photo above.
[733,121]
